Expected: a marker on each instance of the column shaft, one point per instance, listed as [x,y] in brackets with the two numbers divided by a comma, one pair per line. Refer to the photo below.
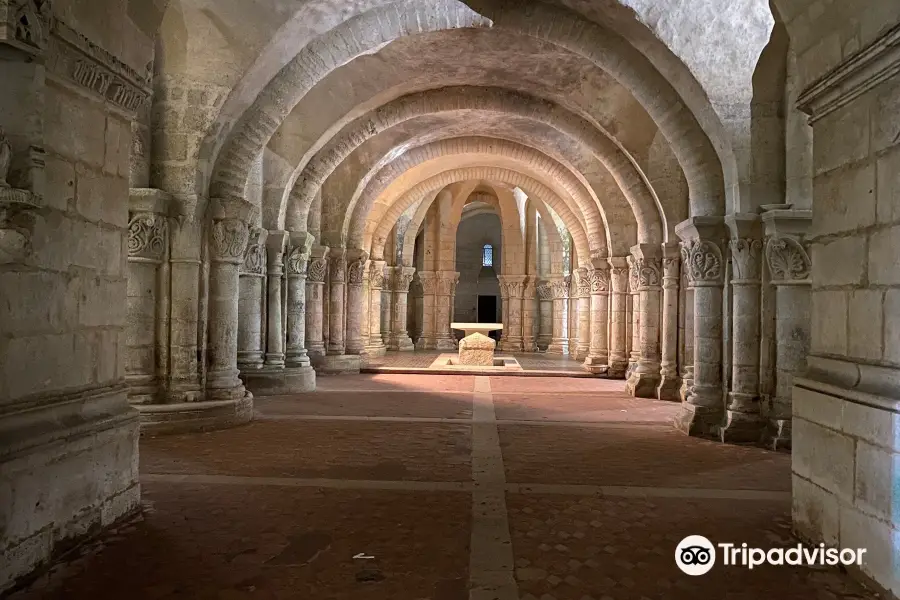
[618,359]
[669,380]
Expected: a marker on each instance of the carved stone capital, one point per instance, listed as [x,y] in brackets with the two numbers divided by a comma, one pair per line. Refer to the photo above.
[255,255]
[746,260]
[18,217]
[356,269]
[337,267]
[634,276]
[788,261]
[703,262]
[228,240]
[618,274]
[26,24]
[600,280]
[544,290]
[376,277]
[649,273]
[560,286]
[402,277]
[582,282]
[297,259]
[148,235]
[317,270]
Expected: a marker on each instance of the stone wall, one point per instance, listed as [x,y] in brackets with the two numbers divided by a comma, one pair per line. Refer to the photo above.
[471,237]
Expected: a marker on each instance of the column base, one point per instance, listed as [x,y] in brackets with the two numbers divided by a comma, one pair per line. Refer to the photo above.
[686,384]
[778,435]
[250,360]
[339,364]
[643,385]
[404,344]
[543,342]
[315,352]
[510,346]
[277,382]
[529,346]
[446,344]
[698,421]
[561,348]
[742,428]
[582,352]
[375,351]
[617,369]
[274,361]
[197,416]
[94,433]
[598,365]
[668,389]
[355,348]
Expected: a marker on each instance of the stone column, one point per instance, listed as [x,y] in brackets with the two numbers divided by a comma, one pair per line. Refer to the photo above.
[529,306]
[148,300]
[512,286]
[375,345]
[560,343]
[687,358]
[618,359]
[648,266]
[633,322]
[445,284]
[387,301]
[743,421]
[402,277]
[598,353]
[355,274]
[669,380]
[251,349]
[583,291]
[337,279]
[701,413]
[296,355]
[275,246]
[504,313]
[228,238]
[790,273]
[545,305]
[573,314]
[429,281]
[315,308]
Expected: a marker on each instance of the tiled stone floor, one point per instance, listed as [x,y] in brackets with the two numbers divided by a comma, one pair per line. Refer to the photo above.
[539,489]
[529,361]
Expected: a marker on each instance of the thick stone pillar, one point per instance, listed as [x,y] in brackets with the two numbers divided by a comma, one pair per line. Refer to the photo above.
[512,287]
[669,379]
[648,267]
[296,355]
[375,344]
[597,360]
[701,413]
[789,268]
[687,357]
[148,299]
[545,307]
[429,281]
[337,360]
[228,238]
[316,273]
[401,278]
[529,313]
[275,246]
[583,304]
[560,343]
[743,421]
[387,301]
[251,349]
[618,358]
[356,276]
[633,322]
[445,289]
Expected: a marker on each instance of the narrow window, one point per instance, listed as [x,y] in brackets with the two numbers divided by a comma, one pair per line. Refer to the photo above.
[487,256]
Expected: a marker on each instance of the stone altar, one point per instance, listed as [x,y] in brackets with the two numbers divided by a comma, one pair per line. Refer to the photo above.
[477,349]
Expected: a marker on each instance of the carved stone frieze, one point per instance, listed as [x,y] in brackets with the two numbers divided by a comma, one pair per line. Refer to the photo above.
[228,240]
[746,257]
[26,24]
[787,259]
[318,268]
[147,235]
[703,262]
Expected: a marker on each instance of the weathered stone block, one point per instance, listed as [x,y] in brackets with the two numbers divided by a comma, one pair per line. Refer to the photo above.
[888,210]
[60,182]
[892,326]
[839,262]
[818,408]
[75,127]
[845,200]
[829,322]
[102,197]
[884,257]
[878,481]
[865,324]
[881,560]
[477,350]
[101,303]
[825,457]
[35,302]
[815,512]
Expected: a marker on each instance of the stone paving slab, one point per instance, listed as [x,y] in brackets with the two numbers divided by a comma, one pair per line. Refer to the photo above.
[384,404]
[583,407]
[248,542]
[326,449]
[397,383]
[636,455]
[573,548]
[546,385]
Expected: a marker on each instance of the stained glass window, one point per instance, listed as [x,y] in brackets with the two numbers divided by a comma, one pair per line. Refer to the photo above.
[487,256]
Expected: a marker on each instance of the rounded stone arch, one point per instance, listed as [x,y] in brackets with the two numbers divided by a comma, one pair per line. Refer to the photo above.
[602,46]
[377,237]
[367,217]
[628,177]
[618,240]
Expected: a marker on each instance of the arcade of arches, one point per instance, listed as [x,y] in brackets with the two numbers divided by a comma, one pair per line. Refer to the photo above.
[208,202]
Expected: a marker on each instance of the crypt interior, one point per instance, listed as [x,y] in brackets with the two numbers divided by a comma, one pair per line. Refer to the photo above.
[235,238]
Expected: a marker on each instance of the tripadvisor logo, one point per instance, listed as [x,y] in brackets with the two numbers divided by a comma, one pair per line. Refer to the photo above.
[696,555]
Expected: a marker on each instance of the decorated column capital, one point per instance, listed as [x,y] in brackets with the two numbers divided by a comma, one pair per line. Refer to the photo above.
[671,265]
[788,261]
[356,267]
[445,282]
[148,236]
[582,282]
[337,265]
[511,286]
[317,270]
[600,280]
[529,288]
[618,274]
[298,253]
[254,262]
[403,276]
[746,247]
[544,290]
[376,276]
[646,267]
[560,285]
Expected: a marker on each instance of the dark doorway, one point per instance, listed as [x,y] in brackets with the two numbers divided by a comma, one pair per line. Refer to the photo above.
[487,311]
